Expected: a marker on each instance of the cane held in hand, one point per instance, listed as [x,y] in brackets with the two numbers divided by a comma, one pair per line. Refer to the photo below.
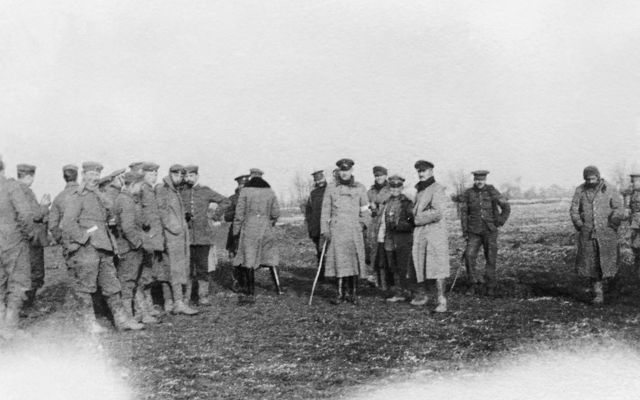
[315,281]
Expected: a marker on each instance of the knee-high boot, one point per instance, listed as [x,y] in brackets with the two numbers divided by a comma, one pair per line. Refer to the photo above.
[121,319]
[167,296]
[340,295]
[252,284]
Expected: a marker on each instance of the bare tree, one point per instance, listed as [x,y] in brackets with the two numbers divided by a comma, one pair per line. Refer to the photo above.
[620,175]
[460,181]
[301,189]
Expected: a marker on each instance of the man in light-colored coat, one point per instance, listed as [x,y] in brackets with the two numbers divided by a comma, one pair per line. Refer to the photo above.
[256,214]
[378,194]
[430,239]
[596,212]
[176,234]
[344,209]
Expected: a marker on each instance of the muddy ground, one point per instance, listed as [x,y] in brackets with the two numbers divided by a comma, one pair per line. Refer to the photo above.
[282,348]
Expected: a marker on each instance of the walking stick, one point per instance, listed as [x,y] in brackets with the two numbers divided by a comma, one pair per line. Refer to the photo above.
[315,281]
[463,262]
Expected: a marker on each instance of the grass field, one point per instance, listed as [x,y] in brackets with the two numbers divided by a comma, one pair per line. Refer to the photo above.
[282,348]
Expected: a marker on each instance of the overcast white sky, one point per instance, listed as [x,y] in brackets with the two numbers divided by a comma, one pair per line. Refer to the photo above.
[531,89]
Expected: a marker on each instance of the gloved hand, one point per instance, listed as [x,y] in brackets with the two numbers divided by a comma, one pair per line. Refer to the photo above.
[188,216]
[326,236]
[146,227]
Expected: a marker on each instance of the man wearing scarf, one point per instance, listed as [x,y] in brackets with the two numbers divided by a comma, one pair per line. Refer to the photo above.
[596,212]
[482,212]
[344,208]
[312,212]
[430,238]
[378,194]
[253,225]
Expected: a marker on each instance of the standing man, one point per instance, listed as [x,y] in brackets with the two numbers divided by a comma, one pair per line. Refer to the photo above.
[153,239]
[253,226]
[483,210]
[378,194]
[92,248]
[16,227]
[176,233]
[430,238]
[197,199]
[396,232]
[313,212]
[39,238]
[596,213]
[131,272]
[344,208]
[632,201]
[229,216]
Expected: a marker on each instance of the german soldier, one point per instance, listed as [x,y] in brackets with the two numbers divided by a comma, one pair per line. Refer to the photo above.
[197,200]
[16,227]
[313,211]
[430,239]
[176,235]
[377,194]
[632,202]
[39,239]
[344,208]
[596,213]
[92,248]
[133,275]
[483,210]
[70,176]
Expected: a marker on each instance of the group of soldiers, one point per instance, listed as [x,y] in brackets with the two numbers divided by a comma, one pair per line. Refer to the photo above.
[397,243]
[124,233]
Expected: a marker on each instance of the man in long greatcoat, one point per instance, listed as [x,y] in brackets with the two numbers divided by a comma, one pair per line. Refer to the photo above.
[378,194]
[344,211]
[16,226]
[176,234]
[596,212]
[313,212]
[430,238]
[256,214]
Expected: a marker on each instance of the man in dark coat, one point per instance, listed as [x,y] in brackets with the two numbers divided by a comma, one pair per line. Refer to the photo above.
[632,213]
[596,212]
[16,227]
[197,199]
[229,215]
[92,248]
[396,233]
[253,226]
[313,212]
[39,239]
[70,176]
[483,210]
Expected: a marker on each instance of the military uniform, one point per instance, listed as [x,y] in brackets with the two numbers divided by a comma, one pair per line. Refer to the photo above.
[632,201]
[57,210]
[153,238]
[312,213]
[483,211]
[377,196]
[16,226]
[92,247]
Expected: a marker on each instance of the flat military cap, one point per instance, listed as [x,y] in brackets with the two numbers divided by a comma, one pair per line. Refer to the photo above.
[635,175]
[379,170]
[176,168]
[396,181]
[191,168]
[241,178]
[91,166]
[137,165]
[422,164]
[480,173]
[149,166]
[116,173]
[317,173]
[256,171]
[26,168]
[69,167]
[345,164]
[133,177]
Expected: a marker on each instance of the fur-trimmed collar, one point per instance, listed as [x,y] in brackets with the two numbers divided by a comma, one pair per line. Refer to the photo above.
[257,182]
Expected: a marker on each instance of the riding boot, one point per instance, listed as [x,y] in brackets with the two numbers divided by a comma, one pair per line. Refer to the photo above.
[188,291]
[252,285]
[276,279]
[442,300]
[340,295]
[121,320]
[179,306]
[354,289]
[85,304]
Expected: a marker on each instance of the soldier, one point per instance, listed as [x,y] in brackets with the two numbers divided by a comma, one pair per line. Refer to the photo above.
[70,176]
[153,239]
[176,233]
[136,166]
[197,200]
[131,272]
[112,184]
[229,215]
[596,213]
[256,215]
[313,211]
[16,227]
[396,233]
[483,210]
[344,208]
[632,201]
[39,238]
[430,239]
[377,194]
[92,248]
